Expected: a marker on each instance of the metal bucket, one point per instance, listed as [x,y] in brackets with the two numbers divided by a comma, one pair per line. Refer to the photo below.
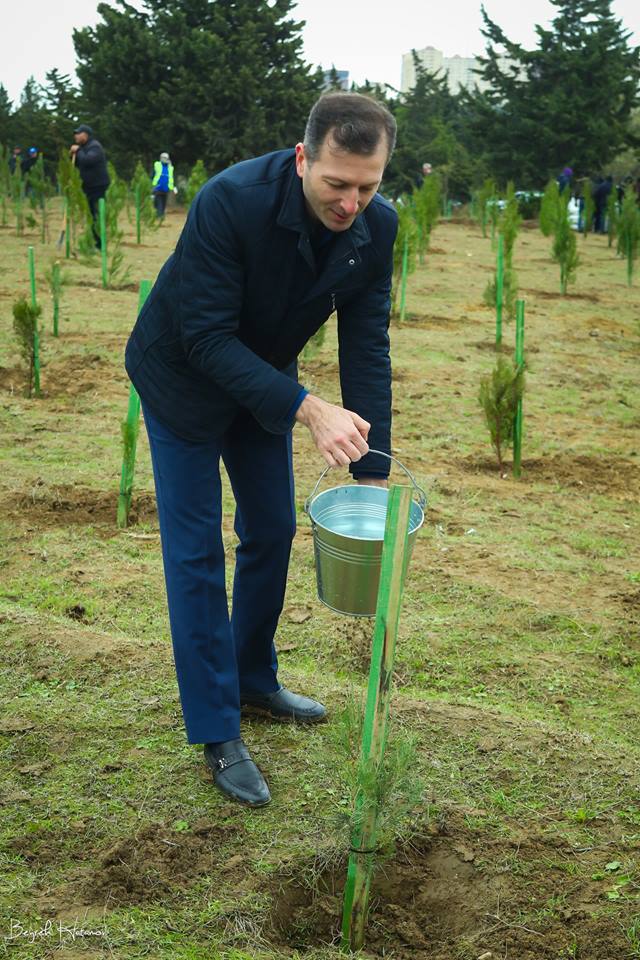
[348,532]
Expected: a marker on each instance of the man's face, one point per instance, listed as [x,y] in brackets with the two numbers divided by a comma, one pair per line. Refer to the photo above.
[338,185]
[81,138]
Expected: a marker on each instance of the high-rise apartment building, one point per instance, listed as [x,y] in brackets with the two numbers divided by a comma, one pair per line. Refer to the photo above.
[458,70]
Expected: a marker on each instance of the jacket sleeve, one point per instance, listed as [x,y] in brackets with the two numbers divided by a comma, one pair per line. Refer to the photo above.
[211,281]
[365,364]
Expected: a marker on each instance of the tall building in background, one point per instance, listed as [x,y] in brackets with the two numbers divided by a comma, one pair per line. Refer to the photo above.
[458,70]
[338,76]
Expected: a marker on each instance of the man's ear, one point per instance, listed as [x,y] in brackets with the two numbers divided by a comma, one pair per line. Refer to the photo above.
[300,159]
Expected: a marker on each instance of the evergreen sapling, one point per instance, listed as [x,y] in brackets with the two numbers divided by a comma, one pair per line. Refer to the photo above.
[484,196]
[25,326]
[498,397]
[426,205]
[550,209]
[629,231]
[404,251]
[565,248]
[197,179]
[142,194]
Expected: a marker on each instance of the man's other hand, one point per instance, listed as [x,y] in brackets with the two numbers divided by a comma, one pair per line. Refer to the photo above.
[340,435]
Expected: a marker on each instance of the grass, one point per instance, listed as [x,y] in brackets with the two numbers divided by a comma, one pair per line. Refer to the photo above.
[517,672]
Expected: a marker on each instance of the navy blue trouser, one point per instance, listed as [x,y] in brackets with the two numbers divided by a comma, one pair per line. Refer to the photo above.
[218,658]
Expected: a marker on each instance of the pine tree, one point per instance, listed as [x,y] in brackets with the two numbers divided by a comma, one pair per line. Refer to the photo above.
[550,209]
[25,326]
[426,207]
[427,133]
[221,80]
[141,186]
[404,250]
[498,397]
[567,101]
[483,197]
[197,179]
[613,215]
[629,231]
[565,249]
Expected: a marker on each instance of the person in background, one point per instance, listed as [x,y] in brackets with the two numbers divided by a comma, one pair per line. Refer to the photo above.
[600,198]
[15,159]
[30,160]
[162,183]
[91,162]
[564,180]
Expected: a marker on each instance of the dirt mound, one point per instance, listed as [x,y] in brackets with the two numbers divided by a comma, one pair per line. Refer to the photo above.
[159,858]
[556,295]
[445,890]
[608,475]
[70,376]
[67,504]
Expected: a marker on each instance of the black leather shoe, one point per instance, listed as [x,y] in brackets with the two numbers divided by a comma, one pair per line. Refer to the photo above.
[235,773]
[284,705]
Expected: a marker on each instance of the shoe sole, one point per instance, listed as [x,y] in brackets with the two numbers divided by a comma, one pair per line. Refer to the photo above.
[250,710]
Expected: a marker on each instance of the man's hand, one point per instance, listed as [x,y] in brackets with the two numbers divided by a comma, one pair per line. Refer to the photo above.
[74,148]
[340,435]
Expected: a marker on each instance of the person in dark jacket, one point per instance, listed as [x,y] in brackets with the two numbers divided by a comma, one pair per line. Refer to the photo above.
[600,197]
[271,248]
[564,179]
[15,160]
[91,162]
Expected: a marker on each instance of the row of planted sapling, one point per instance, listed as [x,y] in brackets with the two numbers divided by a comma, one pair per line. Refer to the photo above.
[622,223]
[417,217]
[25,195]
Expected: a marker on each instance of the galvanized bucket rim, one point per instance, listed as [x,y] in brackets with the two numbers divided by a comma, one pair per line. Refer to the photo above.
[348,536]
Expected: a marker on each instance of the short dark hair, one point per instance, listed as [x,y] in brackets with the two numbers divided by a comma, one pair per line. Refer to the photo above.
[356,124]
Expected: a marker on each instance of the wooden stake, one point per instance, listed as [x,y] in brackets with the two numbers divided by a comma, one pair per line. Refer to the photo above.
[393,570]
[519,357]
[130,427]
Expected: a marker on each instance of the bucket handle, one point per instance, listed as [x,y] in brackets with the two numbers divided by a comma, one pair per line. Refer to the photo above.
[421,495]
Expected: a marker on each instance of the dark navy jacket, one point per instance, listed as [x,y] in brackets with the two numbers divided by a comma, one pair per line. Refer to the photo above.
[92,164]
[219,330]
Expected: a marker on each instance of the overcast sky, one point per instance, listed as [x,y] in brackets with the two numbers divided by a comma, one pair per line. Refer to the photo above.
[36,35]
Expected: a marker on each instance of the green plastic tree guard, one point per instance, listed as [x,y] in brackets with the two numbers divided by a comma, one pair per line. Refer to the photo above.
[130,428]
[499,289]
[103,239]
[393,570]
[519,358]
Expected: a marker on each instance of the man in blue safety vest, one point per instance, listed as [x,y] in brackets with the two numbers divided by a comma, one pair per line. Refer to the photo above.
[162,183]
[271,248]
